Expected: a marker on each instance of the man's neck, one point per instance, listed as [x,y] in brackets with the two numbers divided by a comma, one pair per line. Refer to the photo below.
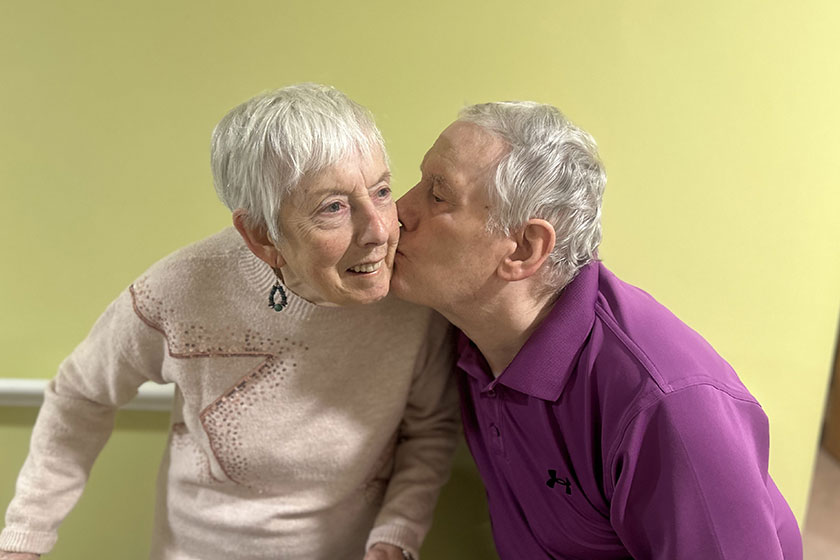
[501,326]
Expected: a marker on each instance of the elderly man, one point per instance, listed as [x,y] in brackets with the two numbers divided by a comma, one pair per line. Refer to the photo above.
[603,427]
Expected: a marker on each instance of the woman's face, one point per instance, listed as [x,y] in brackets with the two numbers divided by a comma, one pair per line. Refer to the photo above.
[340,232]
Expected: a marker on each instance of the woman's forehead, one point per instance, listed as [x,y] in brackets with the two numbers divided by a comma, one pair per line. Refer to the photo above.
[344,177]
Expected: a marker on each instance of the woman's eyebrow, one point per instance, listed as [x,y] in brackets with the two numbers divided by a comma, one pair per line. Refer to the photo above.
[338,189]
[320,194]
[385,177]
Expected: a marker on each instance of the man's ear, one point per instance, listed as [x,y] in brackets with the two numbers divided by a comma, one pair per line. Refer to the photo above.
[534,242]
[257,240]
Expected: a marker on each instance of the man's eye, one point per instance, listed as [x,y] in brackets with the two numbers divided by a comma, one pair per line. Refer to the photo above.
[384,192]
[432,189]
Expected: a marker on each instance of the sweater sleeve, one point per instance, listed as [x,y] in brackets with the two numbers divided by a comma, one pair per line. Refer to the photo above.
[691,481]
[427,440]
[76,419]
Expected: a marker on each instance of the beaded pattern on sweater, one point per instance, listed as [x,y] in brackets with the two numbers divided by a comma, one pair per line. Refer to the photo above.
[257,391]
[187,339]
[186,447]
[223,419]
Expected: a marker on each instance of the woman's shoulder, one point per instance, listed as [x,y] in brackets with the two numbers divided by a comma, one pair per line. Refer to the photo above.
[406,313]
[206,268]
[183,263]
[220,245]
[414,324]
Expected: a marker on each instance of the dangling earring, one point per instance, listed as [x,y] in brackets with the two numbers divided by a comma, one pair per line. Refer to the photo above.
[277,287]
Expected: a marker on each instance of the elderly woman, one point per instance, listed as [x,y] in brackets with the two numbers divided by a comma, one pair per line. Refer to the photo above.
[304,425]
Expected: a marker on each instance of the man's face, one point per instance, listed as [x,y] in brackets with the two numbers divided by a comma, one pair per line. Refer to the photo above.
[446,259]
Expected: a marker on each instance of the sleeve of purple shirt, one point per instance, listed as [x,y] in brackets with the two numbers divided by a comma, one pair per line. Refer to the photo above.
[690,481]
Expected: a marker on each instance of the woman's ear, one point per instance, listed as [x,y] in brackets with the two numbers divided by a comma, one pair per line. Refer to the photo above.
[534,242]
[257,240]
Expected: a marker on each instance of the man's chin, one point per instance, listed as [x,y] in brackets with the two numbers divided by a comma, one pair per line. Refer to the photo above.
[401,288]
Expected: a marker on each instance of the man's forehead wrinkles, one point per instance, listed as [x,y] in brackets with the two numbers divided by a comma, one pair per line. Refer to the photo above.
[451,173]
[444,185]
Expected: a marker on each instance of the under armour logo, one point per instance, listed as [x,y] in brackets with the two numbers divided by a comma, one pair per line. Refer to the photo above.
[562,481]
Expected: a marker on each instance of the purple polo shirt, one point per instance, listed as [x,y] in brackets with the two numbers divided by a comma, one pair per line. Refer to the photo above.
[618,432]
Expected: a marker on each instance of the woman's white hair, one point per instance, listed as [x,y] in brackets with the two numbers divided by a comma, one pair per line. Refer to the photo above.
[263,148]
[553,172]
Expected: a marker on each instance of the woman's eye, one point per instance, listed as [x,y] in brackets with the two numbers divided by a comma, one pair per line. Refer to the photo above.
[384,192]
[332,208]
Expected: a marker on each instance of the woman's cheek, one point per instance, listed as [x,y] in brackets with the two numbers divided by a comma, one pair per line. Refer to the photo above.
[331,251]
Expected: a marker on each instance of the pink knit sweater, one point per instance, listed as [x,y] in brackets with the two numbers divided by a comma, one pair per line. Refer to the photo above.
[310,433]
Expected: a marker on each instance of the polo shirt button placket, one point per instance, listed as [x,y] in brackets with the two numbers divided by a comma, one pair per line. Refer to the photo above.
[496,441]
[494,433]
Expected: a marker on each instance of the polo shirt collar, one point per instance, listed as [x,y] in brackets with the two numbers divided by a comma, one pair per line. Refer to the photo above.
[546,360]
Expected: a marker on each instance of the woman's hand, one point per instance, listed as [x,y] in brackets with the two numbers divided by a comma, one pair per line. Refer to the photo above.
[379,551]
[18,555]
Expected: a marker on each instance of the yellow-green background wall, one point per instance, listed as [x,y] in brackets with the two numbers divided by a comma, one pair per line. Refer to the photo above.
[717,120]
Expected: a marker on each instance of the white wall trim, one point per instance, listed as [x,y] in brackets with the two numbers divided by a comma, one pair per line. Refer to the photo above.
[30,392]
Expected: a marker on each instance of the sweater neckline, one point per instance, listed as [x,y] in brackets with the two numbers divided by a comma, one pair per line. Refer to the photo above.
[261,278]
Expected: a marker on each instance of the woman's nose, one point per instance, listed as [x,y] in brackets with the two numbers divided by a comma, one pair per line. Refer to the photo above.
[375,225]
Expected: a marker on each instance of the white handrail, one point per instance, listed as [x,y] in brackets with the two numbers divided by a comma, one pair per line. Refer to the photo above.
[30,392]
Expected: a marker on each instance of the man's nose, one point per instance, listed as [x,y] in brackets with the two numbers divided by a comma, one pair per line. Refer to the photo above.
[406,209]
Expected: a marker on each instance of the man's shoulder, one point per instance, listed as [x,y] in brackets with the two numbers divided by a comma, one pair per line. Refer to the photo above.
[640,334]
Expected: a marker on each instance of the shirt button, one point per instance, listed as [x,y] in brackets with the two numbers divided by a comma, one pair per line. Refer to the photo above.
[491,393]
[495,430]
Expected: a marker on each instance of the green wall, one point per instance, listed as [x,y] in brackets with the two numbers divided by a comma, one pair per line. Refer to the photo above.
[717,121]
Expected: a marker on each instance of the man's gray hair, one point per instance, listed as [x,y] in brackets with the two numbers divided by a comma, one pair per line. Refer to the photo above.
[552,172]
[263,148]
